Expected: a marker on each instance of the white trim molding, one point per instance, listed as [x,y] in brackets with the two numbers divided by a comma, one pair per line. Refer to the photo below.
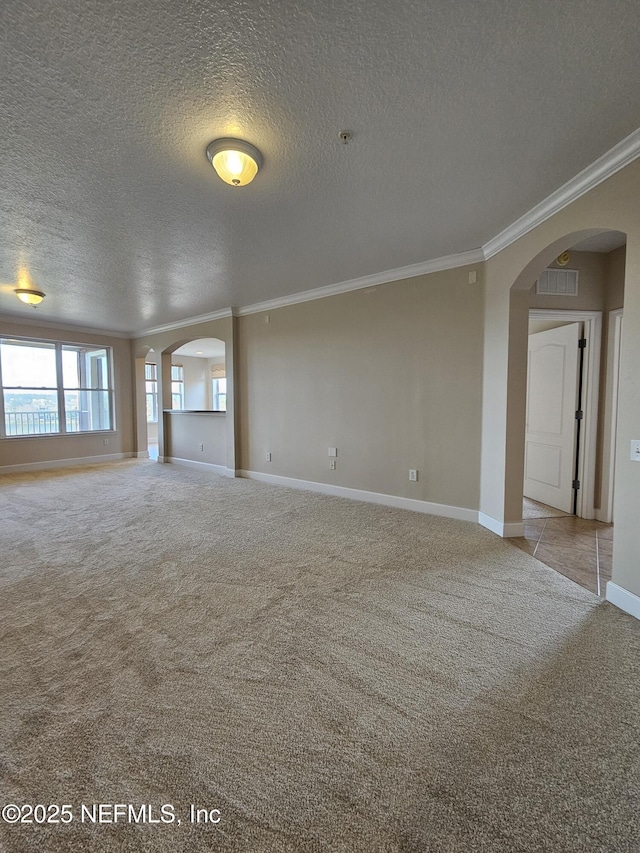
[448,262]
[190,321]
[64,463]
[395,501]
[624,600]
[506,530]
[8,317]
[625,152]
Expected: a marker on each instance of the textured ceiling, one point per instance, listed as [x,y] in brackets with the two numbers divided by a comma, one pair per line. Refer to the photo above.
[464,115]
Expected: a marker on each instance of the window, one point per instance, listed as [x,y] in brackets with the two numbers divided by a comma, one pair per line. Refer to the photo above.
[219,394]
[151,391]
[54,388]
[177,386]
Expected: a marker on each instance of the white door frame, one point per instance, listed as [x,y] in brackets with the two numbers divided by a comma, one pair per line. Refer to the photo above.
[614,343]
[592,327]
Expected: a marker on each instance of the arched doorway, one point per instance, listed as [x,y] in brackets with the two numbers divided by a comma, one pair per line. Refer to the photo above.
[570,402]
[198,421]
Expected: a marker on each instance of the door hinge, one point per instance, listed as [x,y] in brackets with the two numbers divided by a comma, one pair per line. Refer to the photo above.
[575,484]
[582,343]
[579,415]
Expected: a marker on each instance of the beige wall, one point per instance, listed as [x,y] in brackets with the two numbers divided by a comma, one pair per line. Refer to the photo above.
[615,271]
[188,430]
[391,376]
[36,449]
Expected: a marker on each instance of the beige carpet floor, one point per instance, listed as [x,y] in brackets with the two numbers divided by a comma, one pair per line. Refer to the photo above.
[329,675]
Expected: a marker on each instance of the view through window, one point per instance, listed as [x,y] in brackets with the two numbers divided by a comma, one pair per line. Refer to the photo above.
[151,391]
[177,386]
[54,388]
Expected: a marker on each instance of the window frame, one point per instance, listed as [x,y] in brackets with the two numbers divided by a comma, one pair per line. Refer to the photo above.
[153,392]
[60,388]
[179,381]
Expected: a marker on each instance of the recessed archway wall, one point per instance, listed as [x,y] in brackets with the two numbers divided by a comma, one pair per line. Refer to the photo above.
[165,343]
[613,205]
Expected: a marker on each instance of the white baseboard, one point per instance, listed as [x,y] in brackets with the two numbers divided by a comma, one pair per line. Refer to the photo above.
[201,466]
[506,531]
[64,463]
[395,501]
[623,599]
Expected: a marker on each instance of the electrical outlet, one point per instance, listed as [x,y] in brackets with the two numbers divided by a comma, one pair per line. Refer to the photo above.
[201,446]
[413,475]
[635,450]
[105,441]
[332,464]
[333,451]
[267,457]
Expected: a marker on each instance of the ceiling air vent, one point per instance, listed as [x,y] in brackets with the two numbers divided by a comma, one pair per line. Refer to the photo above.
[558,283]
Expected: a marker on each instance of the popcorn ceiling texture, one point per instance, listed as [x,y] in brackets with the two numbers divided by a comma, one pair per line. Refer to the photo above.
[464,115]
[332,676]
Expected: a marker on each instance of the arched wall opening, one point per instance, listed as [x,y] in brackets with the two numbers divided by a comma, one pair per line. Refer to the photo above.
[609,205]
[198,432]
[193,381]
[595,451]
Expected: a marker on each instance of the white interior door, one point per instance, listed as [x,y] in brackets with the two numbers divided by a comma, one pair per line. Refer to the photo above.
[552,401]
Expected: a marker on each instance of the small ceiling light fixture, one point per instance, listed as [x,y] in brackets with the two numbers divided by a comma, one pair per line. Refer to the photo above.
[563,259]
[25,292]
[29,295]
[236,162]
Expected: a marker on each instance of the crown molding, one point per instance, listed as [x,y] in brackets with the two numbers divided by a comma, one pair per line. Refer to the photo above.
[474,256]
[604,167]
[63,327]
[190,321]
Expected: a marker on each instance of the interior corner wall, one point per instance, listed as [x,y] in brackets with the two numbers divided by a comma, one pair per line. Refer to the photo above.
[42,450]
[388,375]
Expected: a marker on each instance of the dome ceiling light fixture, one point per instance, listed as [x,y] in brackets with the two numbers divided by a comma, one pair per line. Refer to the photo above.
[25,292]
[29,295]
[236,161]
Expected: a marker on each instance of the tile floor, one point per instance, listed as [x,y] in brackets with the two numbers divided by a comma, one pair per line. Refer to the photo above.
[580,550]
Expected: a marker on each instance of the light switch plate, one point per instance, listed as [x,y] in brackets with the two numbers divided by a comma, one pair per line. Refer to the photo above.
[635,450]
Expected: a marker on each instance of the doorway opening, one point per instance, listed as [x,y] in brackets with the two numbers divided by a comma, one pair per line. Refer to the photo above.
[562,406]
[574,341]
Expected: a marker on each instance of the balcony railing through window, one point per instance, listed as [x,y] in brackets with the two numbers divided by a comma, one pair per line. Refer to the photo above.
[39,423]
